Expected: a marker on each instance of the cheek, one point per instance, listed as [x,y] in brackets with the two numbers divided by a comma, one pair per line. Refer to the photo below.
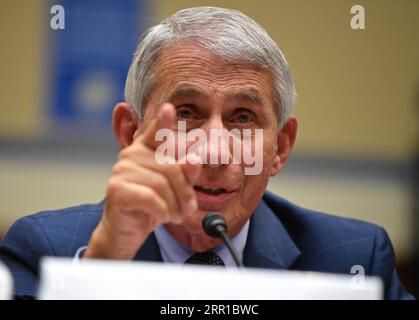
[255,185]
[246,204]
[269,153]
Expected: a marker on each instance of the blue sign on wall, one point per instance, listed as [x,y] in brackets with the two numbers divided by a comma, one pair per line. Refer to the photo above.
[90,59]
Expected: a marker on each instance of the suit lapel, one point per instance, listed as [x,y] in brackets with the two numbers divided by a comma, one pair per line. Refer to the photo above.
[268,243]
[149,251]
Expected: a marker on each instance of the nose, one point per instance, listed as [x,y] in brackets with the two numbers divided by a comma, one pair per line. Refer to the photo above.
[218,153]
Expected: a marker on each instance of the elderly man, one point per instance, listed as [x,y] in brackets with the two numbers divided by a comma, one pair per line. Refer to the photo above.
[208,69]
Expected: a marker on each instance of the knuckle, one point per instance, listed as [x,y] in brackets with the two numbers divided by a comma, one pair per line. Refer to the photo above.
[172,170]
[161,184]
[160,208]
[147,194]
[114,185]
[120,167]
[125,153]
[166,212]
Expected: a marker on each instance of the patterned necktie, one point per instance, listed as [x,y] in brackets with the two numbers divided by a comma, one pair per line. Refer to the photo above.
[207,258]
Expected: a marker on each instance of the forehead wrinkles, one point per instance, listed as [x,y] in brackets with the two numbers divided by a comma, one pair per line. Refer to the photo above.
[193,64]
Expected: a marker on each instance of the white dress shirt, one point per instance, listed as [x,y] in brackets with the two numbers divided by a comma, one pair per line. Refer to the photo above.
[173,251]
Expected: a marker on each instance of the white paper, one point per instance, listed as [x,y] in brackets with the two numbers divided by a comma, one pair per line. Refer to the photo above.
[6,283]
[104,279]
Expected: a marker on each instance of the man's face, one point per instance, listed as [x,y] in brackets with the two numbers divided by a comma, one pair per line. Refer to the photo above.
[209,93]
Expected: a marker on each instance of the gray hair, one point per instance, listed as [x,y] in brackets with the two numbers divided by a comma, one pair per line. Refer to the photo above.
[226,33]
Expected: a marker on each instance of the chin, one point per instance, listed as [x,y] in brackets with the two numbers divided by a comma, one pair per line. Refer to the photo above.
[204,243]
[193,222]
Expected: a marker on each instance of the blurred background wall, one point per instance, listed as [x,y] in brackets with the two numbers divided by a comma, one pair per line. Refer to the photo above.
[358,105]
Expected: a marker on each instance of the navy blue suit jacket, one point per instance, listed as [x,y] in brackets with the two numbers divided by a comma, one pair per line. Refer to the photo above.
[281,236]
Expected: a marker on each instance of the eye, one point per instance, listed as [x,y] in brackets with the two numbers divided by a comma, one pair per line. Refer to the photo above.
[243,116]
[184,113]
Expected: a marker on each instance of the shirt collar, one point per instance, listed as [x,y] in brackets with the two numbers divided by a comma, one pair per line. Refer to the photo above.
[173,251]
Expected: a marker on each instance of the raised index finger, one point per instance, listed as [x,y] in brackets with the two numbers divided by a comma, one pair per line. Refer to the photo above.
[165,120]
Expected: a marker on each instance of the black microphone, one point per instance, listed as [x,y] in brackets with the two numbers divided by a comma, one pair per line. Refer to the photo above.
[216,227]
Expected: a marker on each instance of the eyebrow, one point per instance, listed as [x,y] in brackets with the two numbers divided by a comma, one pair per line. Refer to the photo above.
[244,94]
[185,91]
[250,94]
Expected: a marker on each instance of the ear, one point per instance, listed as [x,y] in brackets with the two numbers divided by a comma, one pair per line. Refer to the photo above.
[124,123]
[285,142]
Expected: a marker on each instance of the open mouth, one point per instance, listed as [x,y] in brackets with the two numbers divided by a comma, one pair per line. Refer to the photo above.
[214,196]
[209,190]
